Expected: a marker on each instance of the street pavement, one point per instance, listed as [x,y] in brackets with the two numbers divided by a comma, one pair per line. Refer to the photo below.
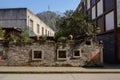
[69,76]
[108,72]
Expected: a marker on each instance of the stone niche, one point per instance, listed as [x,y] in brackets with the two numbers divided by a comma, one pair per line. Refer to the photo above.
[49,54]
[37,55]
[77,53]
[62,54]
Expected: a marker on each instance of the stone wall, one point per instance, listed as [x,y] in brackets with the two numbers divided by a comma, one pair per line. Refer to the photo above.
[91,55]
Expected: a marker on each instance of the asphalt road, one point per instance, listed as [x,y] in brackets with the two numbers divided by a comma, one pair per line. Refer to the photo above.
[107,76]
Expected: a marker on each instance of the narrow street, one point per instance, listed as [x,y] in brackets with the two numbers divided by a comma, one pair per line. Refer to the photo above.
[107,76]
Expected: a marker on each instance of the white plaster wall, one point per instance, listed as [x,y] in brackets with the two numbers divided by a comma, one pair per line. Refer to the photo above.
[109,18]
[36,20]
[118,12]
[19,17]
[99,7]
[88,4]
[93,13]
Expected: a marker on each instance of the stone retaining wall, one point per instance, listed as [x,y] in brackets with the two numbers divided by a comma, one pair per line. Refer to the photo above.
[91,55]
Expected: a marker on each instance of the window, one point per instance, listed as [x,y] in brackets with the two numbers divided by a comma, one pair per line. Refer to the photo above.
[61,54]
[85,6]
[99,7]
[46,32]
[93,13]
[37,55]
[93,2]
[42,30]
[109,4]
[88,4]
[109,19]
[31,24]
[100,23]
[89,12]
[38,28]
[118,12]
[77,53]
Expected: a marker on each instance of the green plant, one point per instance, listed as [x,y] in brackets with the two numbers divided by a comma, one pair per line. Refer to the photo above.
[74,23]
[43,38]
[62,39]
[24,36]
[13,38]
[1,32]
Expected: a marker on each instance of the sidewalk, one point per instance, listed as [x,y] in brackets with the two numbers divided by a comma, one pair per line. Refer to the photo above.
[106,69]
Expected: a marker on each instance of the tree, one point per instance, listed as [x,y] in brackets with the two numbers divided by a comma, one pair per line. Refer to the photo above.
[74,23]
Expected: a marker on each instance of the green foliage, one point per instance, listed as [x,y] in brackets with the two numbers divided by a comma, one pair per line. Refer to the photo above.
[74,23]
[25,36]
[1,32]
[62,39]
[14,38]
[43,38]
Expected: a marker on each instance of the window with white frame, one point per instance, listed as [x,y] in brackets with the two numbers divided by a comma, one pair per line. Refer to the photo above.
[77,53]
[42,30]
[46,32]
[37,55]
[38,28]
[118,12]
[99,7]
[61,54]
[109,20]
[31,24]
[93,13]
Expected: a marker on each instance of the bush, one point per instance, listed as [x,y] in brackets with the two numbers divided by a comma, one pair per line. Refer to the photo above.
[62,39]
[25,36]
[1,32]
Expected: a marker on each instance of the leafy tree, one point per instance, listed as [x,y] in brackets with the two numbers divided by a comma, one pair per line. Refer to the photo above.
[74,23]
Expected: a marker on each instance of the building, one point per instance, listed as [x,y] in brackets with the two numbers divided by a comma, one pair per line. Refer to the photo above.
[21,18]
[105,15]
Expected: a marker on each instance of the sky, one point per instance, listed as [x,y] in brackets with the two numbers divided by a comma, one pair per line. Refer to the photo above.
[37,6]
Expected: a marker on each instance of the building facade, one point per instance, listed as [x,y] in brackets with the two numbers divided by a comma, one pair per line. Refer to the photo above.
[21,18]
[105,14]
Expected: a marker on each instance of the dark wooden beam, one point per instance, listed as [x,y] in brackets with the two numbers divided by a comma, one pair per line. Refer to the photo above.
[116,33]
